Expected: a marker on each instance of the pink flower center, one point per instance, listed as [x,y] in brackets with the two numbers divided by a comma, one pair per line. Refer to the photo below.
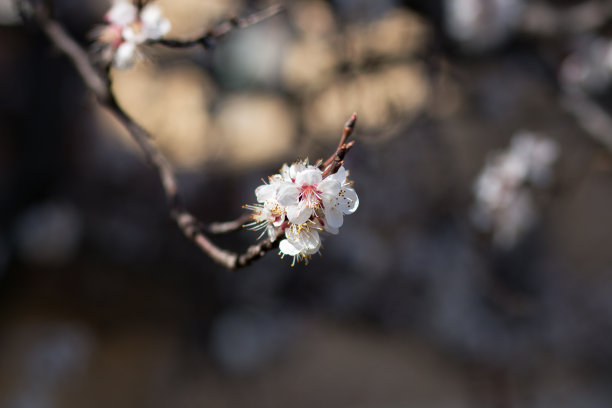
[310,194]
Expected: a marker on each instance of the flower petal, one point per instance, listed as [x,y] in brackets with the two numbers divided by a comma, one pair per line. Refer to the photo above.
[151,14]
[331,230]
[122,13]
[271,232]
[311,177]
[329,188]
[298,214]
[310,241]
[333,217]
[287,194]
[340,175]
[155,24]
[265,192]
[352,200]
[287,248]
[125,55]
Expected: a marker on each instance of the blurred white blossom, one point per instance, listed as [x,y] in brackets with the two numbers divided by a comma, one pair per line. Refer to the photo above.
[480,25]
[589,66]
[503,201]
[127,28]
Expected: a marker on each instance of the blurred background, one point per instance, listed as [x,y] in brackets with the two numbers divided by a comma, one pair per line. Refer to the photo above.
[463,280]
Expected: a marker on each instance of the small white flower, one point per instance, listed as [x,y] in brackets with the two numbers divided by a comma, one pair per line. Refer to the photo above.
[154,24]
[537,154]
[343,203]
[307,194]
[289,173]
[268,214]
[150,25]
[301,242]
[127,29]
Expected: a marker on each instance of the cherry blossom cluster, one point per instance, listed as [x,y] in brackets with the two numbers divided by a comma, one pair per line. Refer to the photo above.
[127,28]
[504,204]
[301,201]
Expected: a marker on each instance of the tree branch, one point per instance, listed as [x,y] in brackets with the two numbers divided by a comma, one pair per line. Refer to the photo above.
[101,88]
[209,39]
[333,163]
[228,226]
[66,44]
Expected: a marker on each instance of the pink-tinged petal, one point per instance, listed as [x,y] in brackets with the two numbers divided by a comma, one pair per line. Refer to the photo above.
[329,188]
[287,248]
[333,217]
[287,194]
[298,214]
[309,177]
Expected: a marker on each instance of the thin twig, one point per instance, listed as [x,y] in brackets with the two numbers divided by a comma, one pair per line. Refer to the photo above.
[229,226]
[209,39]
[333,163]
[79,58]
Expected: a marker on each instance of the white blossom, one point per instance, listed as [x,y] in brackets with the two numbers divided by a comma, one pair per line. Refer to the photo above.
[537,154]
[503,203]
[301,201]
[268,213]
[481,25]
[126,55]
[122,13]
[343,203]
[301,241]
[589,66]
[128,29]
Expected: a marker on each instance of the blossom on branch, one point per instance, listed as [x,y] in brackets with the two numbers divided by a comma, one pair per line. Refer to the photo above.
[127,28]
[301,201]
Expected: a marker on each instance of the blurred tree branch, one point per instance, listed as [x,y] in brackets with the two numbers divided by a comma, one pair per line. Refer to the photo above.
[591,117]
[208,39]
[543,19]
